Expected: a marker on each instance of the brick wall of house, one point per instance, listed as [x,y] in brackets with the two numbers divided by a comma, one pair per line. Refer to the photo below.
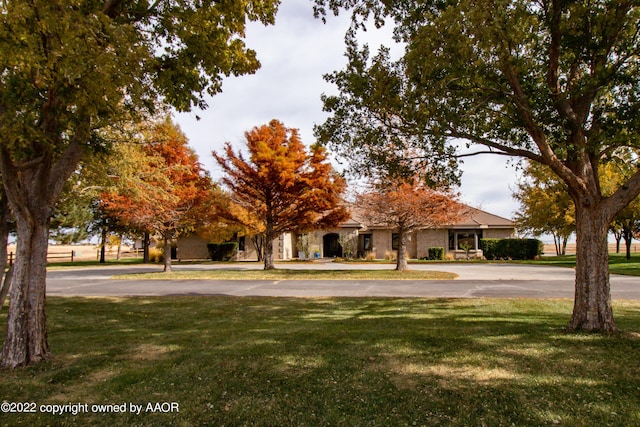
[412,245]
[381,241]
[382,244]
[431,239]
[192,247]
[497,233]
[249,252]
[282,249]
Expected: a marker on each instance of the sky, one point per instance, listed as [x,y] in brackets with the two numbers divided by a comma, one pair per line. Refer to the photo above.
[295,54]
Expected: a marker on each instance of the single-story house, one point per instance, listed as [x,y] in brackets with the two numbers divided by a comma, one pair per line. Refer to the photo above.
[354,238]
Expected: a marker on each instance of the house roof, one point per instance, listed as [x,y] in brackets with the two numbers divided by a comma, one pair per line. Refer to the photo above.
[351,223]
[476,218]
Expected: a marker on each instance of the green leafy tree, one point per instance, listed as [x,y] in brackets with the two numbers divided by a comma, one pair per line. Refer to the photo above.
[626,224]
[545,206]
[168,194]
[555,82]
[373,128]
[80,210]
[70,68]
[281,186]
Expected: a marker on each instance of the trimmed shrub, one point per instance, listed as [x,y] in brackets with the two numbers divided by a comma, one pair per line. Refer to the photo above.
[490,248]
[222,251]
[435,254]
[519,249]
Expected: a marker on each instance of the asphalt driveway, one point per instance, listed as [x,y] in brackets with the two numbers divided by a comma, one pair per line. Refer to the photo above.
[474,281]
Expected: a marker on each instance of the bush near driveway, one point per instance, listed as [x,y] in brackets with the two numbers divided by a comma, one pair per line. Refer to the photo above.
[514,249]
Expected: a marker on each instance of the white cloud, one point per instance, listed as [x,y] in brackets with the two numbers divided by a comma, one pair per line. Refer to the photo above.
[487,183]
[295,54]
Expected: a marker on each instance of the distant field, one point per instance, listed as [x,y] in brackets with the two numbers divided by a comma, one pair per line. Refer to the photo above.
[550,249]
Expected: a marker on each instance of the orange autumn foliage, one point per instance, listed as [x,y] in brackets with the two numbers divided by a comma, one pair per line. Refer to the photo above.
[407,207]
[281,185]
[168,194]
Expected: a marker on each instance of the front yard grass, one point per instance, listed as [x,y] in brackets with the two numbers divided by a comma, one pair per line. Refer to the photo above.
[618,263]
[334,361]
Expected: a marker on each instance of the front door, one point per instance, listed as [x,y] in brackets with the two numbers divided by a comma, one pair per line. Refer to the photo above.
[331,246]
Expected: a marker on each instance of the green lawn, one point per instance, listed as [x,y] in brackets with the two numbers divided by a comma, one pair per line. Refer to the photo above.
[330,362]
[618,264]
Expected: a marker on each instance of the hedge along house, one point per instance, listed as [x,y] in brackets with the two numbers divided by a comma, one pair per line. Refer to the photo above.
[353,238]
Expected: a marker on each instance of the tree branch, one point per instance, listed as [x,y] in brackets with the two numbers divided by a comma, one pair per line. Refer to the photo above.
[68,161]
[110,8]
[562,106]
[503,149]
[624,195]
[477,153]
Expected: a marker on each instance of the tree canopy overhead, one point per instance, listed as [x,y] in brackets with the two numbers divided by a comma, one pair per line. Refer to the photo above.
[72,67]
[553,81]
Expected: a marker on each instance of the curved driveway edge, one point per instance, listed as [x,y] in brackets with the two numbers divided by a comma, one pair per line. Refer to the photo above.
[474,281]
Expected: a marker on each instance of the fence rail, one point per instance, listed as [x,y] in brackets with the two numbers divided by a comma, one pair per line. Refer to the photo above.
[74,256]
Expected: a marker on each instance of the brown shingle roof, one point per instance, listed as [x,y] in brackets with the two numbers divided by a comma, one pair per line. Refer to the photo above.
[476,218]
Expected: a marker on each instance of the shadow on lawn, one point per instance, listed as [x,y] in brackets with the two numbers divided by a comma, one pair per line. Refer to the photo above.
[280,361]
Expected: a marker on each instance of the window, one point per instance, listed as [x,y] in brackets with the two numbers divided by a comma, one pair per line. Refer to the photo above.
[462,239]
[366,242]
[395,241]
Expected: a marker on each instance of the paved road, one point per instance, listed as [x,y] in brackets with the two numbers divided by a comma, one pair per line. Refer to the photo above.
[474,281]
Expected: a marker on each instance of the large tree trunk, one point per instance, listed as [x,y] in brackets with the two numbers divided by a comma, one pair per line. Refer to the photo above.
[268,251]
[26,337]
[145,247]
[33,191]
[592,309]
[401,263]
[269,236]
